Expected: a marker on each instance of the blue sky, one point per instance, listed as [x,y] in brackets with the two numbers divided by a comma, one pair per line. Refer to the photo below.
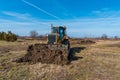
[83,18]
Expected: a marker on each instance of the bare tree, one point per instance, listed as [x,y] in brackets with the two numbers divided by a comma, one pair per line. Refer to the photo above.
[33,34]
[104,36]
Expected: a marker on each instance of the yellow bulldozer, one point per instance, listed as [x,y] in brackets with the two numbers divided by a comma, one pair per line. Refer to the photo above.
[55,51]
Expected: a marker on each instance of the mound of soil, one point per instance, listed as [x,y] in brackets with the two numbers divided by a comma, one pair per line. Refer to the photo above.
[42,53]
[87,42]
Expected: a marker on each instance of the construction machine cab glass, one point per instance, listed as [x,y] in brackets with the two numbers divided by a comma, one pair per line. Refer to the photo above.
[61,31]
[57,34]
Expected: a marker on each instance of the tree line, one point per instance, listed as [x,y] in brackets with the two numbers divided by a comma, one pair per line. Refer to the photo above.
[9,36]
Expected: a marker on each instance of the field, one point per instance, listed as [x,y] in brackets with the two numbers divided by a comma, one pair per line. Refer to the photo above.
[98,61]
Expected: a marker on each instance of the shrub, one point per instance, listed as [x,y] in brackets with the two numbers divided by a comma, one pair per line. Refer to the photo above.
[8,36]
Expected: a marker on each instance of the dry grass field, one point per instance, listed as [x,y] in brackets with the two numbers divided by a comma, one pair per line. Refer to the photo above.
[99,61]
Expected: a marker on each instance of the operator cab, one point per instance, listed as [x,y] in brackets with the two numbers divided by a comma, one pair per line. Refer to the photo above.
[57,34]
[61,31]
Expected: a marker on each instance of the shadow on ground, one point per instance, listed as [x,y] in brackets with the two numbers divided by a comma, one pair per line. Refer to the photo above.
[73,51]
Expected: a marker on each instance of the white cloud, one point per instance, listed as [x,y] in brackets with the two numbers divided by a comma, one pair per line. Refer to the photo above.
[17,15]
[106,13]
[75,27]
[20,19]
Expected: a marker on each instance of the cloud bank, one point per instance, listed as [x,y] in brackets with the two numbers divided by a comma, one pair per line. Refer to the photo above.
[85,27]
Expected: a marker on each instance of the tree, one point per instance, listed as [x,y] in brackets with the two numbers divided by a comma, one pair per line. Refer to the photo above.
[8,36]
[104,36]
[33,34]
[3,36]
[0,36]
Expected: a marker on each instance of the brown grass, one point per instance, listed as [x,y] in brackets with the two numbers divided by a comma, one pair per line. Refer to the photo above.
[99,61]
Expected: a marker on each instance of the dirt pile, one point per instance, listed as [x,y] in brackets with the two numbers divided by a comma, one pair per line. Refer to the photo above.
[87,42]
[83,41]
[42,53]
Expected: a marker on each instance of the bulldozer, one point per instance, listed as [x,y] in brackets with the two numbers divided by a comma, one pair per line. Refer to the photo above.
[55,51]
